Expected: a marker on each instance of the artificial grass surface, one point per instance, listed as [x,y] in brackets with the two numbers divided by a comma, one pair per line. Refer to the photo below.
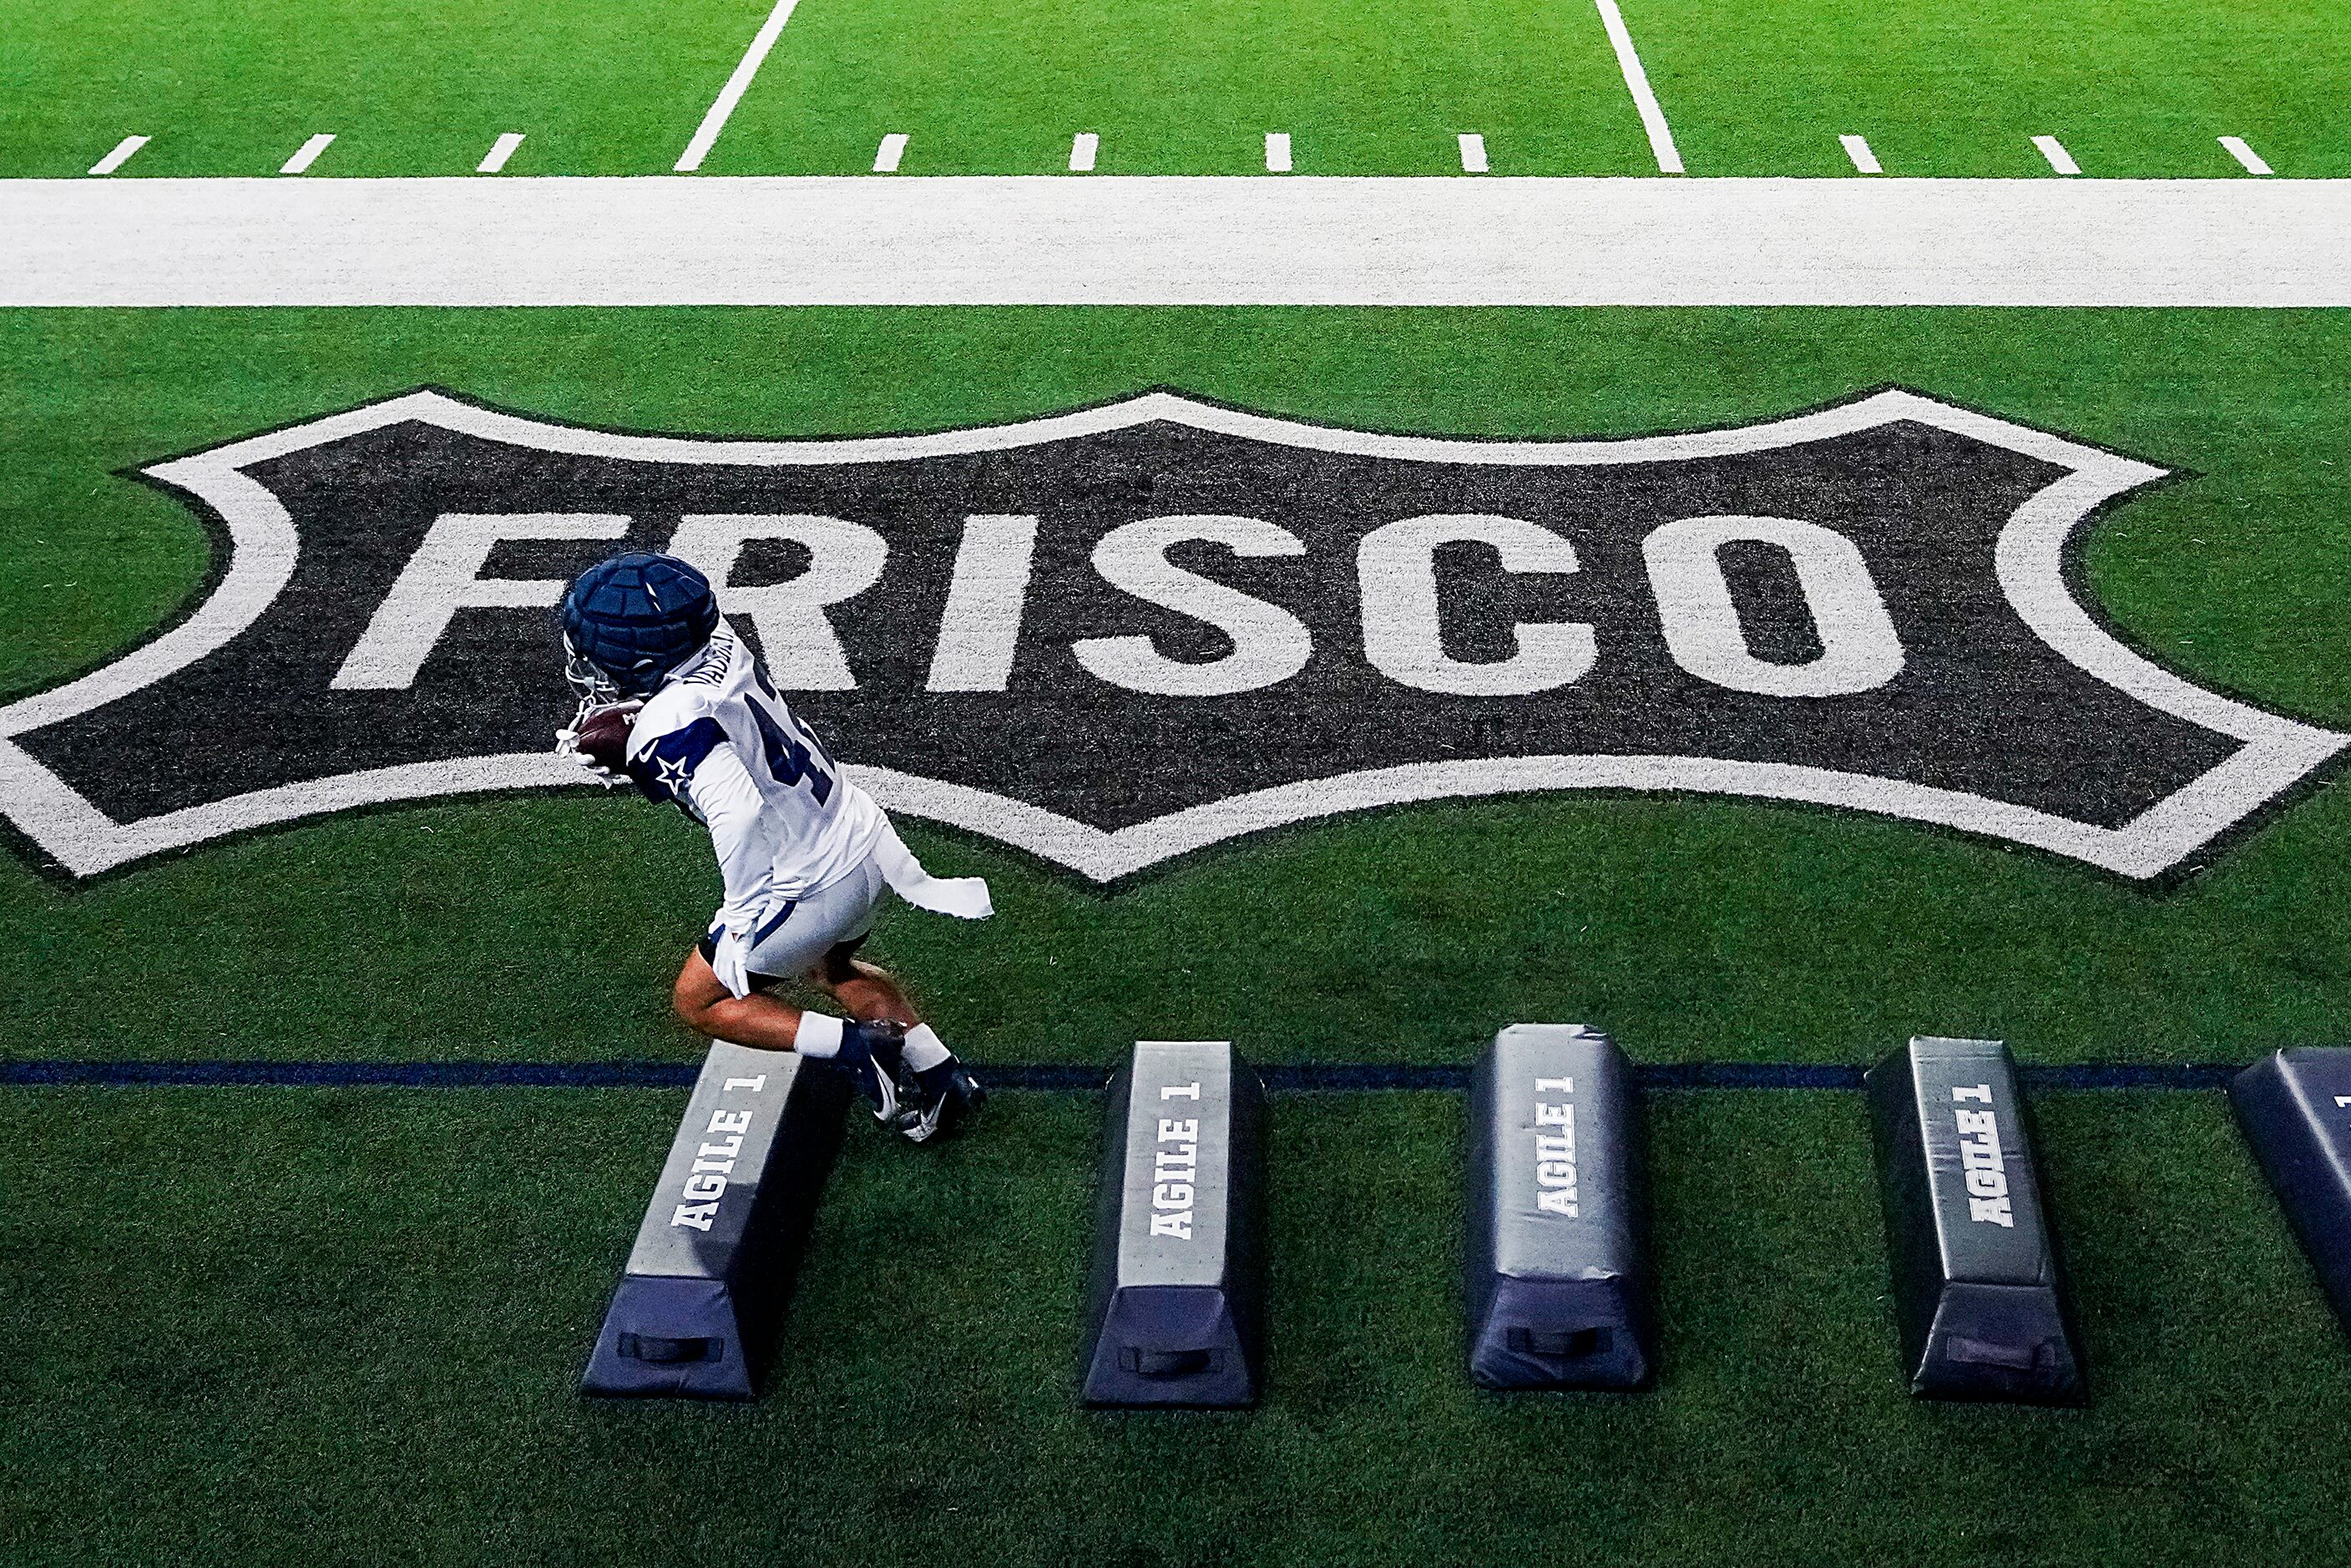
[547,928]
[1961,86]
[408,87]
[1359,87]
[422,86]
[281,1325]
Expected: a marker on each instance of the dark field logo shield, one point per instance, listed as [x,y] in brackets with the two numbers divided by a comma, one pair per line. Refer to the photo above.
[1113,636]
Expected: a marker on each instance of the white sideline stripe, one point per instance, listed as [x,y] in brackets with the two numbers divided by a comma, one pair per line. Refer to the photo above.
[1637,82]
[886,156]
[1473,152]
[1277,151]
[2059,159]
[714,120]
[119,156]
[2245,155]
[1239,239]
[1083,147]
[500,151]
[1863,160]
[307,153]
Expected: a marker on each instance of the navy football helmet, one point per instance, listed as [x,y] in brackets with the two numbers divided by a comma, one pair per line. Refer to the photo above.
[630,620]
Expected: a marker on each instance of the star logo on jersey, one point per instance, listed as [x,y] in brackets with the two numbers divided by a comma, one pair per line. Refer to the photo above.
[1116,636]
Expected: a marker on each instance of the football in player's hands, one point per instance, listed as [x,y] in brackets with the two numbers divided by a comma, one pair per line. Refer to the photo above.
[602,735]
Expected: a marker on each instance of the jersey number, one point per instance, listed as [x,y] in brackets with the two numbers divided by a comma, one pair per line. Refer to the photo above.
[787,758]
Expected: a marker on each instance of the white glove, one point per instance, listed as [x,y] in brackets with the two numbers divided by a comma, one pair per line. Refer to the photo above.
[567,744]
[731,962]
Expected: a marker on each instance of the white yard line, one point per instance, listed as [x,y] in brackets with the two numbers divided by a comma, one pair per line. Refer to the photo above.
[2244,155]
[307,153]
[500,151]
[119,156]
[2060,161]
[1083,147]
[1473,152]
[1277,151]
[1240,239]
[886,156]
[715,119]
[1637,82]
[1863,160]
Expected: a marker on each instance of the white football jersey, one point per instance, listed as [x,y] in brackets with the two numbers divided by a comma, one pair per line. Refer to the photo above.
[718,742]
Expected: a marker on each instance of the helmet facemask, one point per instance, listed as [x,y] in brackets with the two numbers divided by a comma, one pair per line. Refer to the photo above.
[591,684]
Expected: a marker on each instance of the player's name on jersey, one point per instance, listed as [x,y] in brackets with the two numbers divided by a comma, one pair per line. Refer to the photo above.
[1126,633]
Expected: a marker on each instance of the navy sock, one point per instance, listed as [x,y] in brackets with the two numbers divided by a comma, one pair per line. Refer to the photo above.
[881,1044]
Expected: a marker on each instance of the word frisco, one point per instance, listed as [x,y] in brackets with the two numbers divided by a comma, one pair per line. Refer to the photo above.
[979,633]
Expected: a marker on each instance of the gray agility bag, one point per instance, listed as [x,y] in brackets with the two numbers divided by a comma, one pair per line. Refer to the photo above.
[1178,1309]
[1555,1279]
[697,1309]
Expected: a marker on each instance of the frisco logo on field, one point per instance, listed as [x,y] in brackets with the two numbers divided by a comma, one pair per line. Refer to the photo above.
[1121,634]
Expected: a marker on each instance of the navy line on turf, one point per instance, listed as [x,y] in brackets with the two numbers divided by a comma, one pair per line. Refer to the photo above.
[1285,1078]
[354,1074]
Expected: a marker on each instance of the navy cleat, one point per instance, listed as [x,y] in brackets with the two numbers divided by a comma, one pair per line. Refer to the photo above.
[940,1100]
[870,1052]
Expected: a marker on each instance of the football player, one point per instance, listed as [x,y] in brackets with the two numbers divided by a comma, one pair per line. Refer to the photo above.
[672,699]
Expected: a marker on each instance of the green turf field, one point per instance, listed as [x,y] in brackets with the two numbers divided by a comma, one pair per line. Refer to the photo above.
[297,1325]
[261,1324]
[423,86]
[1949,88]
[275,1324]
[1184,91]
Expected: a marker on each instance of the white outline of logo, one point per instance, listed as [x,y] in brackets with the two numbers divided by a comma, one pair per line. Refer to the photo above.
[2277,752]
